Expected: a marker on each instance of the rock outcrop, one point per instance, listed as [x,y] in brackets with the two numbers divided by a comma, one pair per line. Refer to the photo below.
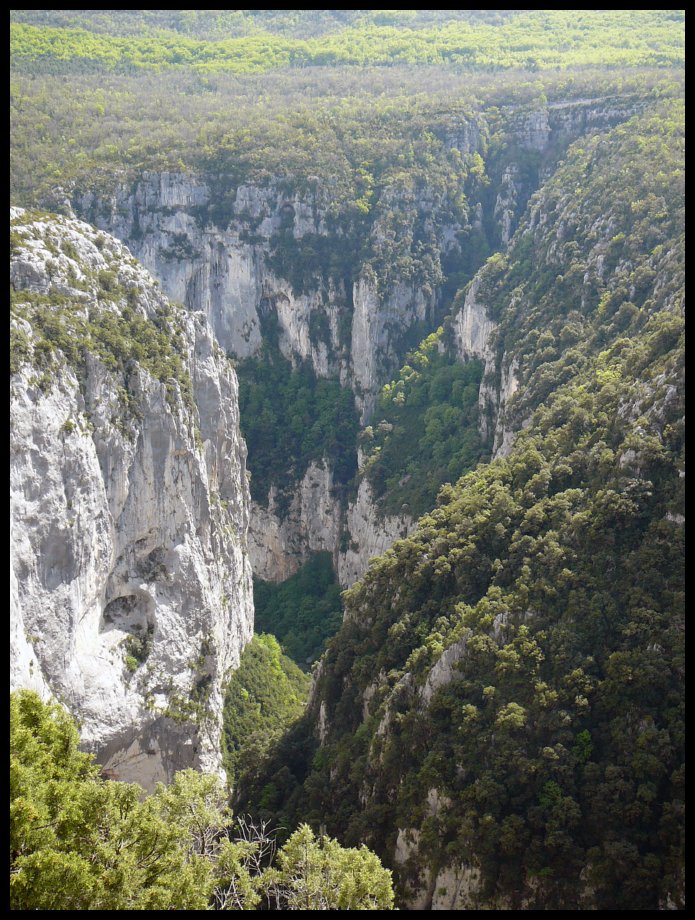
[230,266]
[280,543]
[131,584]
[316,521]
[475,337]
[370,534]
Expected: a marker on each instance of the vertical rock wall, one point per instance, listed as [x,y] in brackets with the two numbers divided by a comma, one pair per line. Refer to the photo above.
[131,592]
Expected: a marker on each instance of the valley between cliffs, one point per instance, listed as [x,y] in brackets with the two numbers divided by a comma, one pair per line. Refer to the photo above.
[347,459]
[278,264]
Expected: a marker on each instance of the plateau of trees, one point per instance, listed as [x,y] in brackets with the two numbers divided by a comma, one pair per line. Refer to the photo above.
[523,38]
[92,130]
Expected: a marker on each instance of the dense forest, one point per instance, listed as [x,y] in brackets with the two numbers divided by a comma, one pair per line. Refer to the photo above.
[495,706]
[531,39]
[302,611]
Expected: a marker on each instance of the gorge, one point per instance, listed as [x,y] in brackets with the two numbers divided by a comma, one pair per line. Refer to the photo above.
[290,319]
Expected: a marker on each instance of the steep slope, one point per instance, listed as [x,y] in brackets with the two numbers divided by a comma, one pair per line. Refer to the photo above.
[500,715]
[131,585]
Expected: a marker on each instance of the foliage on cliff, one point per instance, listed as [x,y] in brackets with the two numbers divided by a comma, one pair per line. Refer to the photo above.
[78,842]
[303,611]
[508,680]
[94,305]
[290,418]
[425,429]
[601,251]
[264,696]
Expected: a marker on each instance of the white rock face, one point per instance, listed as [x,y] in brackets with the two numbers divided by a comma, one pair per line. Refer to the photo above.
[129,509]
[473,328]
[279,544]
[202,263]
[442,671]
[374,345]
[315,521]
[454,887]
[370,534]
[474,334]
[223,265]
[506,208]
[211,245]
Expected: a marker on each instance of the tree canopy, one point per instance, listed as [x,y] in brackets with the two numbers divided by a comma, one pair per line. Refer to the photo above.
[526,38]
[79,842]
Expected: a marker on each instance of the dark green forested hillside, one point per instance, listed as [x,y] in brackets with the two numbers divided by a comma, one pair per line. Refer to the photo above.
[303,611]
[289,418]
[425,430]
[600,256]
[519,657]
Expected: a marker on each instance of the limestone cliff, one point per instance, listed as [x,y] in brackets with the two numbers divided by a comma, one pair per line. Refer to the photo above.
[475,337]
[231,266]
[227,269]
[214,245]
[315,522]
[131,585]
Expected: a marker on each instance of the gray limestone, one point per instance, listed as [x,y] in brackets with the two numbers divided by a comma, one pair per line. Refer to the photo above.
[127,524]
